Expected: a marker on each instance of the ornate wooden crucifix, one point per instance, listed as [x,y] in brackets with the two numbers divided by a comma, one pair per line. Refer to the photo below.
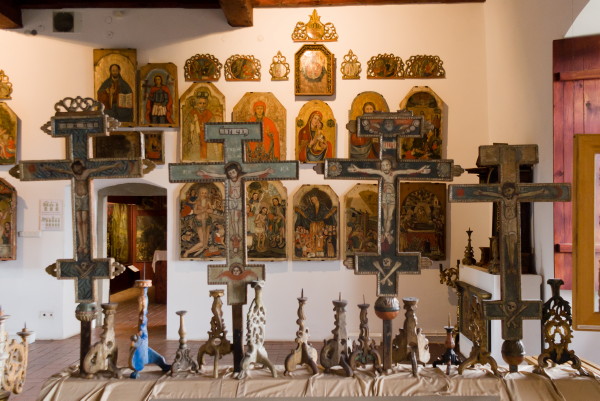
[234,171]
[77,119]
[509,193]
[388,170]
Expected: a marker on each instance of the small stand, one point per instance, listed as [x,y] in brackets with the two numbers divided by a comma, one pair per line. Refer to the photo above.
[557,325]
[217,344]
[255,337]
[449,357]
[469,259]
[140,354]
[102,356]
[364,352]
[336,351]
[304,352]
[410,344]
[183,361]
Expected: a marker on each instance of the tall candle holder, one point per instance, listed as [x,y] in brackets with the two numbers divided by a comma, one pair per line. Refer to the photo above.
[449,357]
[364,352]
[336,351]
[102,356]
[183,361]
[469,256]
[217,344]
[304,352]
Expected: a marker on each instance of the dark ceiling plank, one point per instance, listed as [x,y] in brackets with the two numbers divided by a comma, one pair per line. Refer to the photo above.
[57,4]
[316,3]
[238,12]
[10,15]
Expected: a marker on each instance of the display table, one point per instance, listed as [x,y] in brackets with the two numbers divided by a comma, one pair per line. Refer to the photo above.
[475,385]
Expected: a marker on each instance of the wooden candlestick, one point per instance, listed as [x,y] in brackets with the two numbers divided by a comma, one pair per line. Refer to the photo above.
[217,344]
[304,352]
[102,356]
[336,351]
[183,361]
[364,352]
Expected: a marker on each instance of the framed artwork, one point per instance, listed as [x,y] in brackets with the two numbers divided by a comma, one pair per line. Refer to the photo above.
[154,146]
[314,72]
[315,132]
[151,234]
[314,30]
[5,86]
[361,216]
[114,83]
[350,68]
[158,100]
[202,68]
[200,103]
[266,233]
[242,68]
[280,68]
[385,66]
[316,223]
[263,107]
[8,221]
[423,101]
[362,147]
[118,144]
[424,67]
[202,221]
[8,135]
[422,222]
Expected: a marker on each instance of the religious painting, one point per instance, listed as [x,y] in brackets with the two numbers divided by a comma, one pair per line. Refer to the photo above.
[263,107]
[202,221]
[385,66]
[423,101]
[422,222]
[8,135]
[151,234]
[315,132]
[8,221]
[424,67]
[242,68]
[117,228]
[200,103]
[316,223]
[314,71]
[266,207]
[159,99]
[280,68]
[362,147]
[314,30]
[5,86]
[114,83]
[154,146]
[361,214]
[350,68]
[118,144]
[202,68]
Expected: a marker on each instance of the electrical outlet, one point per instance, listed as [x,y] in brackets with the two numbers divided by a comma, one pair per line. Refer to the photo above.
[46,315]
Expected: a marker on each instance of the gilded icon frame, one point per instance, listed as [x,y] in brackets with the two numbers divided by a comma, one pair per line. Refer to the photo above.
[314,71]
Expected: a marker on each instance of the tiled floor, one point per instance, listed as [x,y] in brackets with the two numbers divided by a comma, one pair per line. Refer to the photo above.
[47,357]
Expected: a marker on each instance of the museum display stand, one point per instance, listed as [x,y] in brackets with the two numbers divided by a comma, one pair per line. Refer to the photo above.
[530,289]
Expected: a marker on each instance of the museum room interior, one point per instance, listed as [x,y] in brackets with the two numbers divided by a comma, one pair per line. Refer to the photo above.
[491,74]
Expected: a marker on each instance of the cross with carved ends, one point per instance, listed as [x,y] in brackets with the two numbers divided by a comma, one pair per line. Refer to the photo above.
[76,120]
[388,170]
[509,194]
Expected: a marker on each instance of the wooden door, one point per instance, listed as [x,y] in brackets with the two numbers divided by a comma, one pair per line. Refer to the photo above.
[576,70]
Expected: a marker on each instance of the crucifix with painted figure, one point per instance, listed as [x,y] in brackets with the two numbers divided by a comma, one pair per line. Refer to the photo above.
[235,273]
[388,170]
[76,120]
[509,193]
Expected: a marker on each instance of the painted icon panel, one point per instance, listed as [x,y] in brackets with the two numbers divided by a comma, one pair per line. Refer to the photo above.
[422,223]
[159,99]
[114,83]
[423,101]
[202,221]
[315,132]
[202,67]
[263,107]
[361,216]
[8,221]
[313,71]
[316,223]
[8,135]
[361,147]
[201,103]
[118,144]
[266,207]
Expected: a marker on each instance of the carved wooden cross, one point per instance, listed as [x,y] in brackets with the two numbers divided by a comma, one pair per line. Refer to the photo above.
[508,193]
[388,171]
[235,273]
[80,119]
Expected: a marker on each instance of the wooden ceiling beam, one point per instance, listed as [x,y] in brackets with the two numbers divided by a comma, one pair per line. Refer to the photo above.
[239,13]
[10,15]
[320,3]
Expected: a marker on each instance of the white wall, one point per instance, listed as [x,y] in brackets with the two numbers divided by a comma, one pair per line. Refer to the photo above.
[491,96]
